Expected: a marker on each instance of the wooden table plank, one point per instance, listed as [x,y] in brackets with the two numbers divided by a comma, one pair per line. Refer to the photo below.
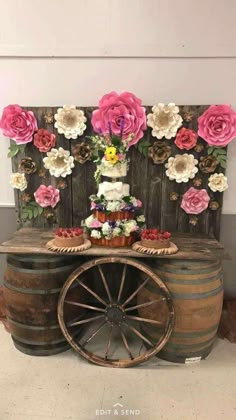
[33,240]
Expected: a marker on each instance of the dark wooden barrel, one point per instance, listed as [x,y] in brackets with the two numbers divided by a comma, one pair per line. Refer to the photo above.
[32,286]
[197,291]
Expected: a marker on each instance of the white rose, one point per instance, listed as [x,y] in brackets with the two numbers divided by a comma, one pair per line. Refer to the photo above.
[95,234]
[113,206]
[106,229]
[116,231]
[218,182]
[141,218]
[89,220]
[18,181]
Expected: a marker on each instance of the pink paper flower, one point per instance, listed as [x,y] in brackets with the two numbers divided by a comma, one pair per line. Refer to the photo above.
[95,224]
[195,201]
[44,140]
[186,139]
[17,124]
[217,125]
[93,205]
[47,196]
[121,113]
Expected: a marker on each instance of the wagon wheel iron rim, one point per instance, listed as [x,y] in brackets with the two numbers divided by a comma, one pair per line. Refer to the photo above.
[114,313]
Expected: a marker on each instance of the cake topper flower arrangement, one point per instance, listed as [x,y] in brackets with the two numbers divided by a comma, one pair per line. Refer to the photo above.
[119,121]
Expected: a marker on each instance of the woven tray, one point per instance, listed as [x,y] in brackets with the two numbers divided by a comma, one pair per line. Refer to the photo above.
[86,245]
[138,247]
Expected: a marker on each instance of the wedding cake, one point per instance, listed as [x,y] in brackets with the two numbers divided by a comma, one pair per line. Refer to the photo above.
[113,221]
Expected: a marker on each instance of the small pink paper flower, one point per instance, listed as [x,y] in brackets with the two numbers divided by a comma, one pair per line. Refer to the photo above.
[120,113]
[195,201]
[93,205]
[217,125]
[17,124]
[95,224]
[44,140]
[186,139]
[47,196]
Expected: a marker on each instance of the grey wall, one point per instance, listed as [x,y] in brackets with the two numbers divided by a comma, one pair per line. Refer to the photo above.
[228,238]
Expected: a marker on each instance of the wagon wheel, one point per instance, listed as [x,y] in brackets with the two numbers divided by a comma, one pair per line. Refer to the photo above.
[112,314]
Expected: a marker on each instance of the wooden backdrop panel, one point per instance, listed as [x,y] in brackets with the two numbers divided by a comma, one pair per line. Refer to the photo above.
[148,182]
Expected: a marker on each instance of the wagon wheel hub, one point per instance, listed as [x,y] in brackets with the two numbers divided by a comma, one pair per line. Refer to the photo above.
[115,314]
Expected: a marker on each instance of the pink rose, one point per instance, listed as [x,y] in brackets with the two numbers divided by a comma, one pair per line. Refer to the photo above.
[95,224]
[47,196]
[217,125]
[93,205]
[195,201]
[123,113]
[186,139]
[17,124]
[139,203]
[44,140]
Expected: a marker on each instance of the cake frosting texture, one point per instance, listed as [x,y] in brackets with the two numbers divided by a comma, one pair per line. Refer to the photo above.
[113,190]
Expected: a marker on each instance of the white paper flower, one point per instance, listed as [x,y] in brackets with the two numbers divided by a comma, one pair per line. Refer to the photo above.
[89,221]
[18,181]
[59,162]
[218,182]
[164,120]
[70,121]
[95,234]
[181,168]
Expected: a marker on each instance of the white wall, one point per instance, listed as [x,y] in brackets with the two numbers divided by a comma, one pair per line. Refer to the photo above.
[73,51]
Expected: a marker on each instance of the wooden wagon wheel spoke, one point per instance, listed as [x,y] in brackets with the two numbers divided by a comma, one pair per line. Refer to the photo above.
[149,321]
[92,293]
[113,313]
[126,344]
[93,335]
[135,292]
[105,283]
[122,282]
[84,321]
[139,334]
[143,305]
[108,343]
[83,305]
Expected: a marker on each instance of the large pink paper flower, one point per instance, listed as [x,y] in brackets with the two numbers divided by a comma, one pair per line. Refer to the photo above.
[17,124]
[123,113]
[217,125]
[195,201]
[47,196]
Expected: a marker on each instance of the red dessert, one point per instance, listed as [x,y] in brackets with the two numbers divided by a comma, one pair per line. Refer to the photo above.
[155,238]
[68,237]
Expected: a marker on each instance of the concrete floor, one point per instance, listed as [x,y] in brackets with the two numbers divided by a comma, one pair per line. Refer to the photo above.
[66,387]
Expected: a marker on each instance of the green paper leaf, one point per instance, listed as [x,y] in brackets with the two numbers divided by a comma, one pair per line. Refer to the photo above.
[40,210]
[210,150]
[35,212]
[223,164]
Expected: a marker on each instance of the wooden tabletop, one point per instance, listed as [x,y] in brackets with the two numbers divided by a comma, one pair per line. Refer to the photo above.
[33,241]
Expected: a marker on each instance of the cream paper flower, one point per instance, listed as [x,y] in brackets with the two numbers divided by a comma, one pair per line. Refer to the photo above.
[70,121]
[18,181]
[59,162]
[96,234]
[218,182]
[164,120]
[181,168]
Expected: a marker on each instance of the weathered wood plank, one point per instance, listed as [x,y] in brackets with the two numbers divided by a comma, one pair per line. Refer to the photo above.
[32,241]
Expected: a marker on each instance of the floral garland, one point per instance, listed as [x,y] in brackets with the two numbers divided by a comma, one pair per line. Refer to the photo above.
[128,203]
[112,229]
[120,122]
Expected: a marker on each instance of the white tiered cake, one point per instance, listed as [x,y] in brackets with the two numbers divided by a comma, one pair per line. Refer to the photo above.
[113,222]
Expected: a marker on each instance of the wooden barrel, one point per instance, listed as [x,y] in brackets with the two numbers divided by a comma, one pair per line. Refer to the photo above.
[197,291]
[32,285]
